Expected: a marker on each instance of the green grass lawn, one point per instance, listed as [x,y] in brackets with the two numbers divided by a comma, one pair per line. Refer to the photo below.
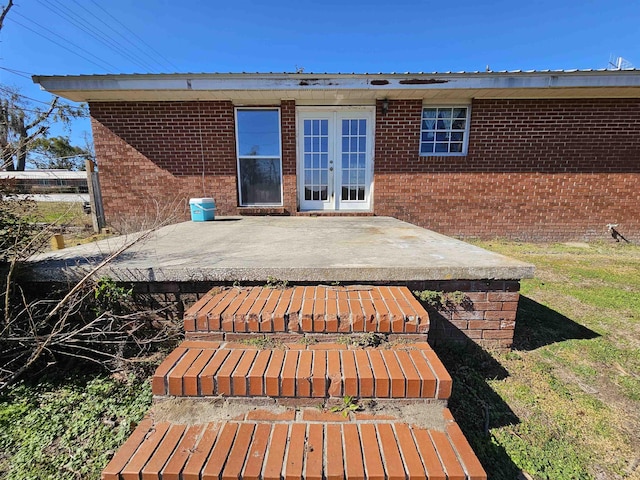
[564,404]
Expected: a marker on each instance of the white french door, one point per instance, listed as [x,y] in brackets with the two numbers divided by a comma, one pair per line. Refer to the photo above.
[335,152]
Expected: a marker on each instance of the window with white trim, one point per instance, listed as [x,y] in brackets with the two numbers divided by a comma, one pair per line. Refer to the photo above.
[259,157]
[444,130]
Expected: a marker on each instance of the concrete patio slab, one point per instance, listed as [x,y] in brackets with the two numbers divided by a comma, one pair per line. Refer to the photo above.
[296,249]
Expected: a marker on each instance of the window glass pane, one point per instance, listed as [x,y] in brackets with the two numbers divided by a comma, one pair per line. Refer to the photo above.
[324,125]
[307,160]
[428,136]
[459,113]
[307,127]
[426,147]
[458,124]
[345,143]
[260,181]
[345,160]
[428,124]
[444,113]
[354,127]
[456,136]
[363,127]
[442,147]
[444,124]
[429,112]
[363,144]
[456,147]
[345,127]
[258,133]
[442,136]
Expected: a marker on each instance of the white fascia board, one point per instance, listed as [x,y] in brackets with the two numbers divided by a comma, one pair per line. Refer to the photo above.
[82,86]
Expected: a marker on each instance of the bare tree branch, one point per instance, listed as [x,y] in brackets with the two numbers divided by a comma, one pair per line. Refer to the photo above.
[5,10]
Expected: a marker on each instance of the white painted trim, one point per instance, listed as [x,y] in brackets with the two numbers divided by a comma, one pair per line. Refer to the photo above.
[200,86]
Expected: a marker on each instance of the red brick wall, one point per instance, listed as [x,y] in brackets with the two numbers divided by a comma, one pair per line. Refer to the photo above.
[152,155]
[535,170]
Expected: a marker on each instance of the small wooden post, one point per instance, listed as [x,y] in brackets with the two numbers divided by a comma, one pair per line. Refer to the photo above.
[95,197]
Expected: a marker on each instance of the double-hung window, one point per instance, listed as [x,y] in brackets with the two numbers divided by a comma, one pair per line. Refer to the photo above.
[259,156]
[444,131]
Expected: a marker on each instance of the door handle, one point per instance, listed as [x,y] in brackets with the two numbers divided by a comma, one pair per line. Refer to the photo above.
[331,169]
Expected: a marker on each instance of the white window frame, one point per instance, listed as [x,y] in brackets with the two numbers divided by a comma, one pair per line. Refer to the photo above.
[239,157]
[465,138]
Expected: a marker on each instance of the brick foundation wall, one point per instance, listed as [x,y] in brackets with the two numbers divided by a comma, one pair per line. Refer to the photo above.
[487,316]
[539,170]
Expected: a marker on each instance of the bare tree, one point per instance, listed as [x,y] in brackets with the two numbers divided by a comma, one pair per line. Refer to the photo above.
[23,124]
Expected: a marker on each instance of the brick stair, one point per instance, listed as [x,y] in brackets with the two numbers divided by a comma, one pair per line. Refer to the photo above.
[250,401]
[315,309]
[201,369]
[296,444]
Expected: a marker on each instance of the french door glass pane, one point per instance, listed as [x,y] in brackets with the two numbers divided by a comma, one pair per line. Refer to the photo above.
[260,181]
[354,147]
[316,148]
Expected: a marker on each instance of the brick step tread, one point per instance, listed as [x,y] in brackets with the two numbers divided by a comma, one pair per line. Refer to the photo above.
[274,450]
[306,309]
[322,370]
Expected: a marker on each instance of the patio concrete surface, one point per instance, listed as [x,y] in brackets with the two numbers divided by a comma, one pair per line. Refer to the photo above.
[296,249]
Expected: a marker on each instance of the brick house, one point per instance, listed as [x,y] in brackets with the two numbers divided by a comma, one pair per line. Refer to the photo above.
[542,155]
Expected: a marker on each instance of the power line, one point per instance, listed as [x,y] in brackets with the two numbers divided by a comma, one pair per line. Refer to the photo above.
[15,72]
[79,22]
[57,43]
[145,55]
[66,40]
[95,32]
[162,57]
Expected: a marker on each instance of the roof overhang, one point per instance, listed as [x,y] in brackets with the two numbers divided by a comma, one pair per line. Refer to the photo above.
[344,88]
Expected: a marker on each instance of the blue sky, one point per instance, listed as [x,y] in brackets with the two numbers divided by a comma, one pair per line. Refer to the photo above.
[319,36]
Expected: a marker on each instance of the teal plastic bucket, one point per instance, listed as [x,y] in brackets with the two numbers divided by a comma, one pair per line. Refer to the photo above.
[202,209]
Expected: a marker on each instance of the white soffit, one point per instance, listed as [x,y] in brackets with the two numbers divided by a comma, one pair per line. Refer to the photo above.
[342,88]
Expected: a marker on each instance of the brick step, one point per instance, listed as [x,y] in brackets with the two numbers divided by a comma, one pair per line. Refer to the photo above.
[286,446]
[320,370]
[319,309]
